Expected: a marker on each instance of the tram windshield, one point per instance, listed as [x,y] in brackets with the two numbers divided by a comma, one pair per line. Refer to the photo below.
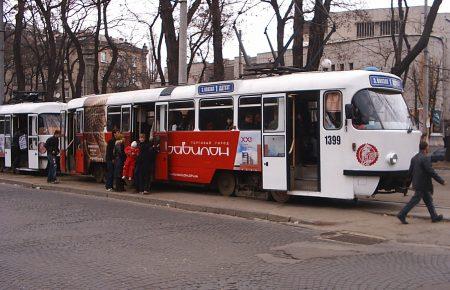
[380,110]
[48,124]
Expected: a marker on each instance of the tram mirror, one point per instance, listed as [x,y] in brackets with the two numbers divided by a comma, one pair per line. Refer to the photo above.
[349,111]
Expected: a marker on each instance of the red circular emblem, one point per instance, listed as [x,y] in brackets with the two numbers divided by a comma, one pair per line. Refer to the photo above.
[367,154]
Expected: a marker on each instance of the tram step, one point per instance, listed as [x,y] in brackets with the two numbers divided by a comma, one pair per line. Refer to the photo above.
[306,185]
[309,172]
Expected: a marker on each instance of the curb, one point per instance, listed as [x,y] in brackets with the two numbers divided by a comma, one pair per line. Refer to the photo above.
[172,204]
[146,199]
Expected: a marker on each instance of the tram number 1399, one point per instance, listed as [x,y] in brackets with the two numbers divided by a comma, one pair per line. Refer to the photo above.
[333,140]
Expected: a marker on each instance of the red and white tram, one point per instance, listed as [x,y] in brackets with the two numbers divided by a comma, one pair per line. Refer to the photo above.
[326,134]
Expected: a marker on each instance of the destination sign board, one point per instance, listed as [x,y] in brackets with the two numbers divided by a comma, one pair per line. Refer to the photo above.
[216,89]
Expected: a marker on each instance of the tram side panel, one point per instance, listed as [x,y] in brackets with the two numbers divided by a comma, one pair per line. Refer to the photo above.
[195,157]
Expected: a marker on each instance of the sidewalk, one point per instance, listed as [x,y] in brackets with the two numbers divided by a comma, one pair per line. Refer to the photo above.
[307,211]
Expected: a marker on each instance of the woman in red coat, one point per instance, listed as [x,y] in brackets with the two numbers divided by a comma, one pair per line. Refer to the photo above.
[132,152]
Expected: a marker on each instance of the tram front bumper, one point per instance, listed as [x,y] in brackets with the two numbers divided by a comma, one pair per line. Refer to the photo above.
[388,181]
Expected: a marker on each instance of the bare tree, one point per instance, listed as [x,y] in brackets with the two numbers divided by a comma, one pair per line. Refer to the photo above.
[216,12]
[17,48]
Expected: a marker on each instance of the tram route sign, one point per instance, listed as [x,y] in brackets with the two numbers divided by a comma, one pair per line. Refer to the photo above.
[385,82]
[216,88]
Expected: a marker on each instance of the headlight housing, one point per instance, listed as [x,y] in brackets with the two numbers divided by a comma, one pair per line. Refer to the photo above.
[392,158]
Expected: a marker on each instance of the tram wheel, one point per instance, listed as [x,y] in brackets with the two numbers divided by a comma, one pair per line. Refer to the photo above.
[99,174]
[280,196]
[226,183]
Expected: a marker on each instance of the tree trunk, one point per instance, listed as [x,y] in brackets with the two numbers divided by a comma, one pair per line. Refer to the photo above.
[317,33]
[171,40]
[74,39]
[20,74]
[113,47]
[280,40]
[401,67]
[219,70]
[96,69]
[297,47]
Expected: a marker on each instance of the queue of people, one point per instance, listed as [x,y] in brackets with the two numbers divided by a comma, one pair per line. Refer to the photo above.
[135,163]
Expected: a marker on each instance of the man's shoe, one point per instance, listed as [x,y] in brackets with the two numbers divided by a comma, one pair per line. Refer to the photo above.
[402,219]
[437,219]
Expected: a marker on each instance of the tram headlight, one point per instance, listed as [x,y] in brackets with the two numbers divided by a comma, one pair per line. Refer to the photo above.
[392,158]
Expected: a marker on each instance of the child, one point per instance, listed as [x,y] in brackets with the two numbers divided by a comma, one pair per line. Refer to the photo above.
[132,152]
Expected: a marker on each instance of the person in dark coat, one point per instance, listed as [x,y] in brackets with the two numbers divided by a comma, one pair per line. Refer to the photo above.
[15,151]
[145,164]
[421,172]
[109,159]
[119,160]
[52,147]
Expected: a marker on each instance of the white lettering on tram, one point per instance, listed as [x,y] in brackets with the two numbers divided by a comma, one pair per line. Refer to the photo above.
[183,149]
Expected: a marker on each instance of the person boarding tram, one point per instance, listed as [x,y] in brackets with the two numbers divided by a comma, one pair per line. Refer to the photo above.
[109,158]
[52,147]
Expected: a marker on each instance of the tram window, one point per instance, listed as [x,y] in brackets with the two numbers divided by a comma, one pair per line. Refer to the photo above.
[332,117]
[215,113]
[113,119]
[273,114]
[249,114]
[2,125]
[126,119]
[181,116]
[79,122]
[7,125]
[48,124]
[32,126]
[274,146]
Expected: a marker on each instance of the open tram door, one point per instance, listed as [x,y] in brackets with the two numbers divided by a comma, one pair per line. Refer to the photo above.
[79,141]
[33,141]
[162,158]
[8,141]
[274,157]
[63,142]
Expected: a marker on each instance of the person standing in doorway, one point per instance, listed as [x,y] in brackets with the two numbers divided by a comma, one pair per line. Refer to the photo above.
[145,164]
[119,160]
[52,147]
[421,173]
[109,158]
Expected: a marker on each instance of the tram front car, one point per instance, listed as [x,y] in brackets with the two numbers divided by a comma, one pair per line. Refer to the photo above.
[383,136]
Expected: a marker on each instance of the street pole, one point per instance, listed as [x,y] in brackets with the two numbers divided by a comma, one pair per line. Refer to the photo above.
[2,55]
[182,53]
[426,98]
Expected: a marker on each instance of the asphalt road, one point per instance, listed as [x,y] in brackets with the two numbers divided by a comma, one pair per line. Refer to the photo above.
[57,240]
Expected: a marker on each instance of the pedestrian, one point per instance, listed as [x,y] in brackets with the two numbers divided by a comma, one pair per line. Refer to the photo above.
[421,172]
[132,153]
[52,147]
[119,160]
[109,158]
[145,164]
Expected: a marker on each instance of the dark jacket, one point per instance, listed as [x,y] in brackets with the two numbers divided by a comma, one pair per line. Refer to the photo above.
[52,145]
[119,159]
[110,150]
[421,172]
[146,157]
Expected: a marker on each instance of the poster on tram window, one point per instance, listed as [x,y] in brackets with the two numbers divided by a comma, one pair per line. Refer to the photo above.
[248,154]
[2,144]
[94,126]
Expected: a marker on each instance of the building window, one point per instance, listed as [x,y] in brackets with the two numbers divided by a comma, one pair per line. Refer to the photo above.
[181,116]
[249,114]
[341,66]
[103,57]
[333,67]
[134,62]
[216,114]
[332,117]
[387,27]
[365,29]
[350,66]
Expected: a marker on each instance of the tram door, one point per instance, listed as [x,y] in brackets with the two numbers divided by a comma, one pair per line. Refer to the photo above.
[63,141]
[274,169]
[79,141]
[162,158]
[33,141]
[8,141]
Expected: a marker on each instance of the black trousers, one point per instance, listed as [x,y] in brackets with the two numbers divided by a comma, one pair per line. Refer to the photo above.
[427,199]
[109,175]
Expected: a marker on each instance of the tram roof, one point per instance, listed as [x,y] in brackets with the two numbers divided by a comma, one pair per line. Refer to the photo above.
[36,108]
[304,81]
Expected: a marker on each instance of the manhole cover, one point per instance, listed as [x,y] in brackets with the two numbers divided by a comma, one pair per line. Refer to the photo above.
[352,238]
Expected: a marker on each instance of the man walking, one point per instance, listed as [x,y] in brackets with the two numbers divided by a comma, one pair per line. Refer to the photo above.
[52,146]
[421,172]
